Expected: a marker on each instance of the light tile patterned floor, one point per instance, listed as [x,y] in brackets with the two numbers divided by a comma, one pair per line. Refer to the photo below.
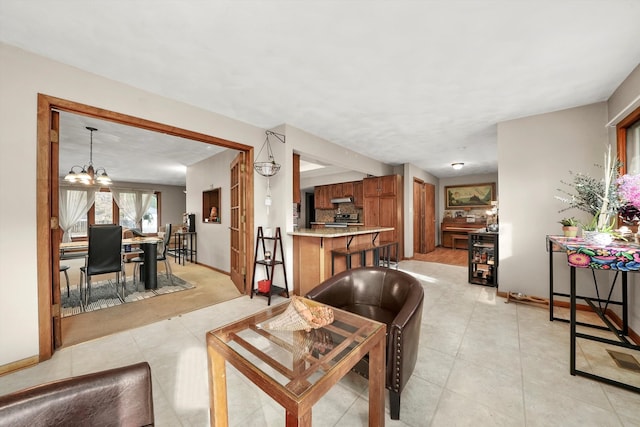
[482,362]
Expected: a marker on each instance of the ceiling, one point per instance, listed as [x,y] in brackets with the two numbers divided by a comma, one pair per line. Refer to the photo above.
[421,82]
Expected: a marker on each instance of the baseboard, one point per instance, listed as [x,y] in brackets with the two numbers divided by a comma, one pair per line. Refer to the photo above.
[20,364]
[226,273]
[583,307]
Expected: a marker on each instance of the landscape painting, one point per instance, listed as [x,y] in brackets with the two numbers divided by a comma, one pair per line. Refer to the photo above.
[469,196]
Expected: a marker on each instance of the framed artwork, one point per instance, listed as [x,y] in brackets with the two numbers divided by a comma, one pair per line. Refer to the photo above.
[469,195]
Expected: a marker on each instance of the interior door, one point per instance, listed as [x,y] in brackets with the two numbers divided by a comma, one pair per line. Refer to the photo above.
[55,231]
[430,217]
[418,217]
[424,217]
[237,228]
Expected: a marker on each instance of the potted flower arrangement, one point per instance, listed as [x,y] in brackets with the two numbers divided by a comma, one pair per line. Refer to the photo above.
[598,197]
[569,226]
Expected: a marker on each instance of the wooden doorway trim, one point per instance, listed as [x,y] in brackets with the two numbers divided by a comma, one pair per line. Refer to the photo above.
[46,189]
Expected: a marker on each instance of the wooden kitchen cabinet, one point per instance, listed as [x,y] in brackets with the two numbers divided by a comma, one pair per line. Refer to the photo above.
[322,197]
[371,186]
[380,186]
[358,195]
[383,207]
[347,189]
[336,191]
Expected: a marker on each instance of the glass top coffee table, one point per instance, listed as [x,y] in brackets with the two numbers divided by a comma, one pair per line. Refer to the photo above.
[296,368]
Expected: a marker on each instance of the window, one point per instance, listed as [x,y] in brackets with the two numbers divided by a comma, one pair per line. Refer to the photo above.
[628,131]
[105,210]
[633,148]
[150,217]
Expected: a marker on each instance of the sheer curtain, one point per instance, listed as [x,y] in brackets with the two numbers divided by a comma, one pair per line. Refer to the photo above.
[133,203]
[74,204]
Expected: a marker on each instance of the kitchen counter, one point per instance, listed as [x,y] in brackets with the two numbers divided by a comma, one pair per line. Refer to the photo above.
[332,232]
[312,252]
[332,224]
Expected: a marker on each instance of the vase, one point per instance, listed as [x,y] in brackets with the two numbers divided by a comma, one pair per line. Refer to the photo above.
[570,231]
[597,238]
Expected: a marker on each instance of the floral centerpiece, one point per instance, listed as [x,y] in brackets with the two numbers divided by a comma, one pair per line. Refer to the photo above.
[600,198]
[629,191]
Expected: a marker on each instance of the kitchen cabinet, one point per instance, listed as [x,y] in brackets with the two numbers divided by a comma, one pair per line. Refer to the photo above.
[324,193]
[347,189]
[358,195]
[380,186]
[322,197]
[371,186]
[383,208]
[336,191]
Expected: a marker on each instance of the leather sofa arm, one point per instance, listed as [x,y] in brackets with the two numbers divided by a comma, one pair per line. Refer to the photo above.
[115,397]
[404,340]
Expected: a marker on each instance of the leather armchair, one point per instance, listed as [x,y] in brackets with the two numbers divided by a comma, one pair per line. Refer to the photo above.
[389,296]
[116,397]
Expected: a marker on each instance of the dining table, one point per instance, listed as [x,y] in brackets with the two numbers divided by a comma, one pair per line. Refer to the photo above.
[148,245]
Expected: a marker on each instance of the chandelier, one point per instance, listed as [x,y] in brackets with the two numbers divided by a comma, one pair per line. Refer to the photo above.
[87,174]
[269,167]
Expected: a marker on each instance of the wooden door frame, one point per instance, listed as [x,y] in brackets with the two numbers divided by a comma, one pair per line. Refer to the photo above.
[45,190]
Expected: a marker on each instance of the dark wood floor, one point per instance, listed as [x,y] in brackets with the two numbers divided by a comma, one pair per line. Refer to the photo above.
[445,256]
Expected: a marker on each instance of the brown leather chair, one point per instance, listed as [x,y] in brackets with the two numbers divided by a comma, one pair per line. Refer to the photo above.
[389,296]
[116,397]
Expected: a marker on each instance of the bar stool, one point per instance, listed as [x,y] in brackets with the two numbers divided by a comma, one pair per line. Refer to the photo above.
[64,268]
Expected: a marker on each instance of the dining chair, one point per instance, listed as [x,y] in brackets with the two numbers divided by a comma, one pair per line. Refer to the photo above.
[162,256]
[63,269]
[104,256]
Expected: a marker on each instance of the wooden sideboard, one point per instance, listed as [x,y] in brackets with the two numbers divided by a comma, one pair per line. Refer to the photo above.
[453,229]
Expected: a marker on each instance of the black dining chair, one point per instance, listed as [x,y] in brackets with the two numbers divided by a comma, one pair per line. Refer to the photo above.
[63,269]
[162,256]
[104,256]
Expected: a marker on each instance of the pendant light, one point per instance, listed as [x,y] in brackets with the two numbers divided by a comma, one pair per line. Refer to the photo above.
[269,167]
[88,175]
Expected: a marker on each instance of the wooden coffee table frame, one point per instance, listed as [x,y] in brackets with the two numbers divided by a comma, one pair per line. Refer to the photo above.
[298,396]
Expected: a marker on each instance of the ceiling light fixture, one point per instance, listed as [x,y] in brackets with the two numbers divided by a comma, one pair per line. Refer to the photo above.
[457,166]
[88,175]
[269,167]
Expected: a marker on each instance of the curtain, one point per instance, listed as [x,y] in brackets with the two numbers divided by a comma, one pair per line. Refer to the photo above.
[74,204]
[133,203]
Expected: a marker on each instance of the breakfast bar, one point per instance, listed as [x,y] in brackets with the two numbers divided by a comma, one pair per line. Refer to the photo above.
[313,249]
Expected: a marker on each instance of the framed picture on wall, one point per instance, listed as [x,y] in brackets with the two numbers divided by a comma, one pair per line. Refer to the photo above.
[469,195]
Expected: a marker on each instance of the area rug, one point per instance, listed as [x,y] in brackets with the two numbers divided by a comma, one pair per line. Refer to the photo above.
[104,294]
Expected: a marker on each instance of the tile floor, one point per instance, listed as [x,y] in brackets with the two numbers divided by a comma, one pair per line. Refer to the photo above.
[482,363]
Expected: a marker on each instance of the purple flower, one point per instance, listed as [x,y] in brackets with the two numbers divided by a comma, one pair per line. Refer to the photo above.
[629,189]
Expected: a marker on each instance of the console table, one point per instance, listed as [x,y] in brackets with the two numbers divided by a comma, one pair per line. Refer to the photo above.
[619,258]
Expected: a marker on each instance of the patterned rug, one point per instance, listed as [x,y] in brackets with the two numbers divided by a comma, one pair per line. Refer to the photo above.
[104,294]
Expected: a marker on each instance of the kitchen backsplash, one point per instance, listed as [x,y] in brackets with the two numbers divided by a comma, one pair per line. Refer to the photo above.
[327,215]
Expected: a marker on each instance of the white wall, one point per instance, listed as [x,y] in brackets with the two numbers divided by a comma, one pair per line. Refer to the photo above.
[624,100]
[410,172]
[213,238]
[552,144]
[24,75]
